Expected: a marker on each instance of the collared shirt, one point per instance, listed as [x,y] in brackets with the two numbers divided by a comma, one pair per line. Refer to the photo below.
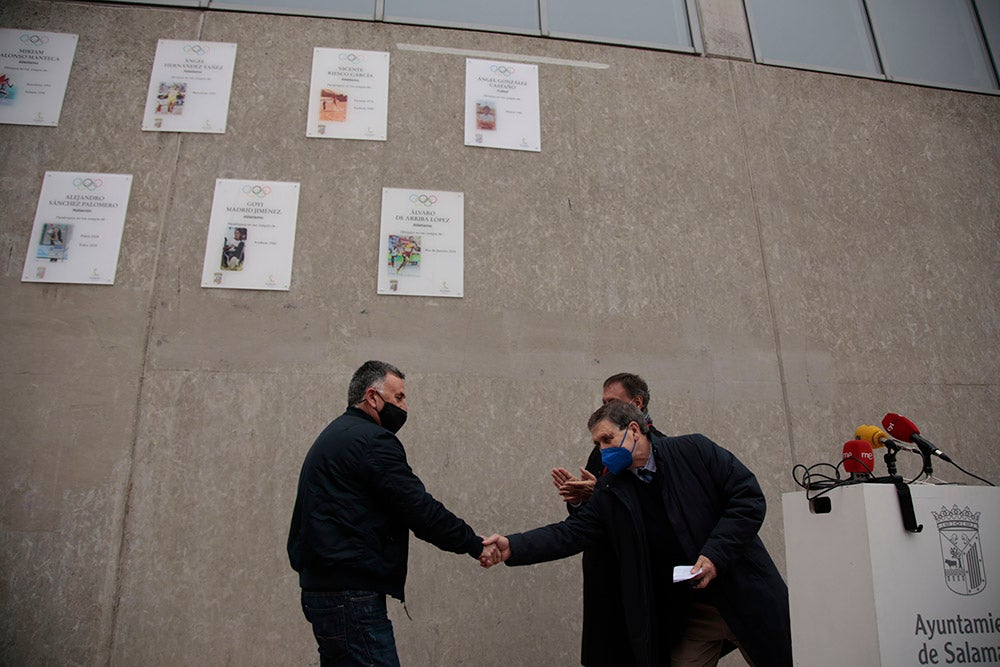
[646,472]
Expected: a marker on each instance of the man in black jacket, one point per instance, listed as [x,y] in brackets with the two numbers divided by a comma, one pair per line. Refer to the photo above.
[357,502]
[668,502]
[602,617]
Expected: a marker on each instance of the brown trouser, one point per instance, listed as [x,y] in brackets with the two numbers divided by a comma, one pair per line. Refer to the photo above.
[704,635]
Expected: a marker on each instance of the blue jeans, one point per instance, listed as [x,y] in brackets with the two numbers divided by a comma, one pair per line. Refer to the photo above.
[351,628]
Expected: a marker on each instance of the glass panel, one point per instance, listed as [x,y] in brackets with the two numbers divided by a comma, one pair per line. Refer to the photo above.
[821,34]
[351,9]
[989,13]
[506,15]
[171,3]
[932,41]
[662,23]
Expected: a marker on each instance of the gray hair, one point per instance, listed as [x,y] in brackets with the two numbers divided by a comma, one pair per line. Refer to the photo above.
[620,414]
[371,374]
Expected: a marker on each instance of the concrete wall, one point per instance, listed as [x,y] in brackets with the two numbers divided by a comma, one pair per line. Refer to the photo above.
[781,254]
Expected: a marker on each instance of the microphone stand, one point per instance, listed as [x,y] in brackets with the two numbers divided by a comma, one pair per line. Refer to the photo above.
[890,457]
[925,454]
[902,490]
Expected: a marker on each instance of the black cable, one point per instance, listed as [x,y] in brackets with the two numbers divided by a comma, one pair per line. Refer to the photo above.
[810,480]
[824,483]
[970,474]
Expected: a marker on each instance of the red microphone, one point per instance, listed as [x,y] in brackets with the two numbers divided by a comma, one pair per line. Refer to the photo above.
[859,460]
[902,428]
[899,426]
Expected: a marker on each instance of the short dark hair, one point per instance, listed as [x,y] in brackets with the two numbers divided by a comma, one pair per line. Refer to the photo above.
[371,374]
[633,386]
[620,414]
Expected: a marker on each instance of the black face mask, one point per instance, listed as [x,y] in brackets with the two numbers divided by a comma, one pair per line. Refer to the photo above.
[391,416]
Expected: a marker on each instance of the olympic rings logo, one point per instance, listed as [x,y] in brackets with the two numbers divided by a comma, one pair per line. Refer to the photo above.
[352,58]
[259,191]
[34,40]
[504,70]
[90,184]
[197,49]
[424,200]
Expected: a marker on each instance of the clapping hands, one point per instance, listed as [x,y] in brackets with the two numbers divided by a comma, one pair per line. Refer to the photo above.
[571,489]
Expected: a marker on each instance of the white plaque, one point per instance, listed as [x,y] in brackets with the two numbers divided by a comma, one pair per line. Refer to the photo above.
[189,87]
[501,105]
[34,70]
[349,96]
[251,236]
[421,243]
[78,228]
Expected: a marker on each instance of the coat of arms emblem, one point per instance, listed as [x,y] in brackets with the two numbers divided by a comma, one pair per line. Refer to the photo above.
[961,550]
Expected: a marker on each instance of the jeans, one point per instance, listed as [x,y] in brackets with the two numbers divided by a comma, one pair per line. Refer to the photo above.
[351,628]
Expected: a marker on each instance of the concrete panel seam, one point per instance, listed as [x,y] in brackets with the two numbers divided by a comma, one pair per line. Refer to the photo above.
[763,262]
[123,539]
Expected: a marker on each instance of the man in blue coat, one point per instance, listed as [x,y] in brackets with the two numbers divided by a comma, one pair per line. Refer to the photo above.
[668,502]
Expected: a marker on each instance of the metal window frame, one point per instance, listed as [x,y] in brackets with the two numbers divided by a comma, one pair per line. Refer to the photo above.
[693,30]
[694,26]
[981,40]
[186,4]
[869,37]
[873,37]
[276,8]
[461,25]
[986,38]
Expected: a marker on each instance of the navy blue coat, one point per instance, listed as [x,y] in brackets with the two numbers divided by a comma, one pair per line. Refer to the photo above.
[716,508]
[358,499]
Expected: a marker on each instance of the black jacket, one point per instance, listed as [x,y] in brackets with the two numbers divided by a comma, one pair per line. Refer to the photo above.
[715,507]
[357,501]
[604,629]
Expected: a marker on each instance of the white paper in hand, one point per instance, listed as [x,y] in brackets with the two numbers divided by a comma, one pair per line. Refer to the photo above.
[683,573]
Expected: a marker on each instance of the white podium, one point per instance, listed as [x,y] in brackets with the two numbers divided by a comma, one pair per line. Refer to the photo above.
[864,592]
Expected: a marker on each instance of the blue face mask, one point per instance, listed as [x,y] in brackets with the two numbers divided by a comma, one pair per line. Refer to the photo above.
[617,459]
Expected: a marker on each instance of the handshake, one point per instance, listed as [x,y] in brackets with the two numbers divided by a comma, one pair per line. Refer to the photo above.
[496,549]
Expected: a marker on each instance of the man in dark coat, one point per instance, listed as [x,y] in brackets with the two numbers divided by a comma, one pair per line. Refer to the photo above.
[601,591]
[668,502]
[625,387]
[358,499]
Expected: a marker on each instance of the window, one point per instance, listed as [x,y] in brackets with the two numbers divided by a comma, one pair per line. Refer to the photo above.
[933,42]
[519,16]
[660,24]
[989,14]
[829,35]
[348,9]
[171,3]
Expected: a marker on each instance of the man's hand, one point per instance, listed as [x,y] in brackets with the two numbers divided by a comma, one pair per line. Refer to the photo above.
[496,549]
[708,572]
[571,489]
[490,555]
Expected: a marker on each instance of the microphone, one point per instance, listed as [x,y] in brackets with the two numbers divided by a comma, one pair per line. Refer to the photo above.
[904,429]
[858,459]
[879,438]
